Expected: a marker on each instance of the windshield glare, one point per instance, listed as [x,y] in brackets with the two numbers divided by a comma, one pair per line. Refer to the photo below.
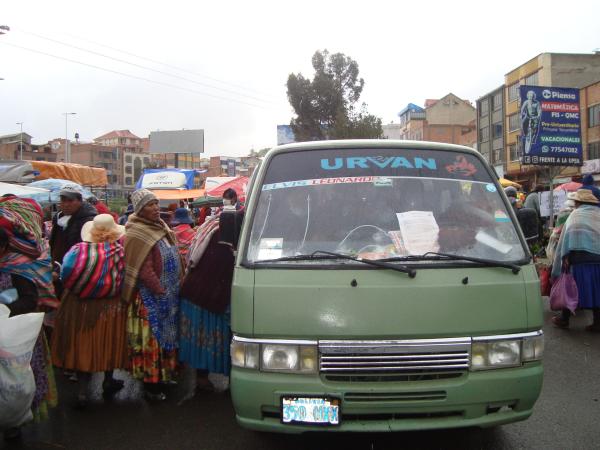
[400,214]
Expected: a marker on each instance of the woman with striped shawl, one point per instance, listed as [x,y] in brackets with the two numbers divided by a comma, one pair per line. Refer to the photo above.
[89,333]
[151,287]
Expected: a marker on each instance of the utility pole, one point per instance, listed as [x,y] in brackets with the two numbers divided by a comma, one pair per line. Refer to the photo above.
[67,150]
[21,141]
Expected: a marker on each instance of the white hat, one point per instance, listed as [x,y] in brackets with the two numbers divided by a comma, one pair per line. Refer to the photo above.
[102,228]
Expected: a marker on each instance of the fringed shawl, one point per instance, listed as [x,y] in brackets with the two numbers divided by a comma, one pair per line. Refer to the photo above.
[140,236]
[580,232]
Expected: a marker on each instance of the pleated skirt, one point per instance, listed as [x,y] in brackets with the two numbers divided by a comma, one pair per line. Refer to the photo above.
[90,335]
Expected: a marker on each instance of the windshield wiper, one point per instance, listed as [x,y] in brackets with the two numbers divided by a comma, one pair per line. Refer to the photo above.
[322,254]
[448,256]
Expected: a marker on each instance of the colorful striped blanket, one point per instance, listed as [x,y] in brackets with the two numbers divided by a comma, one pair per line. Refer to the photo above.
[94,270]
[22,219]
[38,271]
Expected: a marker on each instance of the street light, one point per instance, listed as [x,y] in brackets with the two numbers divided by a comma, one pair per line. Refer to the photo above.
[67,150]
[21,141]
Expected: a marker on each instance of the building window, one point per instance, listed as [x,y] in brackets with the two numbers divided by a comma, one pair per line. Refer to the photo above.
[485,134]
[513,122]
[513,92]
[532,80]
[497,101]
[128,170]
[128,181]
[497,130]
[128,159]
[484,108]
[594,116]
[515,154]
[497,156]
[594,150]
[146,161]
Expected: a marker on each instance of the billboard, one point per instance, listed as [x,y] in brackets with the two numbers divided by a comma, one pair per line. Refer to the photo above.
[285,135]
[167,179]
[178,141]
[550,126]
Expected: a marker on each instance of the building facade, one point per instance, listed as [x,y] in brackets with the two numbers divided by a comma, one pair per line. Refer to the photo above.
[490,128]
[449,119]
[546,69]
[590,128]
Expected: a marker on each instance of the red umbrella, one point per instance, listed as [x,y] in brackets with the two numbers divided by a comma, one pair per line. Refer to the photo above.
[571,186]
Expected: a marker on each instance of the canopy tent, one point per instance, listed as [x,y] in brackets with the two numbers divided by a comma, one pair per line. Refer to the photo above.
[52,187]
[506,183]
[239,185]
[170,179]
[22,191]
[214,182]
[83,175]
[207,201]
[177,194]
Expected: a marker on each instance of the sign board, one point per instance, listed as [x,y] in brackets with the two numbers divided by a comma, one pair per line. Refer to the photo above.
[285,135]
[166,179]
[178,141]
[591,166]
[560,197]
[550,126]
[499,170]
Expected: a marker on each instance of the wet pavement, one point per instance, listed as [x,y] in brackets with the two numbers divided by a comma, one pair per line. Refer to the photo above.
[565,417]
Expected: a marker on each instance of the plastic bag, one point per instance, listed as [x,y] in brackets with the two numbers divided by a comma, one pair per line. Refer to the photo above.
[17,386]
[563,294]
[545,284]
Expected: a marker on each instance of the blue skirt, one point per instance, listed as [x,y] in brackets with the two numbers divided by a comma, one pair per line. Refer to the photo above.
[587,278]
[204,339]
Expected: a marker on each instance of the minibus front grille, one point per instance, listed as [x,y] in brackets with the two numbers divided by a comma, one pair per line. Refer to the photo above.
[378,397]
[391,377]
[424,359]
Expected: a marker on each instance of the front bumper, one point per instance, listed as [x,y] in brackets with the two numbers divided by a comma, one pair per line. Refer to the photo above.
[480,399]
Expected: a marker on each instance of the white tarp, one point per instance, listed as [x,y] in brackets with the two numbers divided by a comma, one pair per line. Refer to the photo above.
[8,188]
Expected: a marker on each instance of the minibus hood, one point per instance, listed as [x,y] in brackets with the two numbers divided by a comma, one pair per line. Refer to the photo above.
[325,303]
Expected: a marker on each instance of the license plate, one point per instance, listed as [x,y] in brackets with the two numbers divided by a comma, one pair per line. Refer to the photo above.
[310,410]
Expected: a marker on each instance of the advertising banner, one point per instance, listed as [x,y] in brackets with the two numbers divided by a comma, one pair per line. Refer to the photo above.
[166,179]
[560,197]
[550,126]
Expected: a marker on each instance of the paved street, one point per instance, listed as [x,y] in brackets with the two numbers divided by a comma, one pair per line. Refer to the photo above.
[566,416]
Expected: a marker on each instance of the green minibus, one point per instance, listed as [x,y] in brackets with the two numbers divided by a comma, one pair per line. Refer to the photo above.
[382,285]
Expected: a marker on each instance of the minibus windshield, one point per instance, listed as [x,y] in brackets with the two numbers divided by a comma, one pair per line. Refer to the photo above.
[381,204]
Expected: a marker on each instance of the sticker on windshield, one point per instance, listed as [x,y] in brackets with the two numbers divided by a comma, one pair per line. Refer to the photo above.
[490,187]
[501,216]
[317,182]
[420,231]
[382,181]
[462,167]
[270,248]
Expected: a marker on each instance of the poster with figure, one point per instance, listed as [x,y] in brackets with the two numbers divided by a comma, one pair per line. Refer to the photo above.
[550,126]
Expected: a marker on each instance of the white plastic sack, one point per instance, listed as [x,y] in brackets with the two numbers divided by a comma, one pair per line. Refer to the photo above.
[17,386]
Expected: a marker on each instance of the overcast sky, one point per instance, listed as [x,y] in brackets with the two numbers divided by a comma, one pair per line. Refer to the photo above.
[229,60]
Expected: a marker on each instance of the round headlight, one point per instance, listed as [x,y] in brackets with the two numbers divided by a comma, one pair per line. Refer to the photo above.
[280,357]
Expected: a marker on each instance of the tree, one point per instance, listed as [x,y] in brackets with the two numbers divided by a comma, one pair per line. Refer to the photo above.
[325,106]
[259,153]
